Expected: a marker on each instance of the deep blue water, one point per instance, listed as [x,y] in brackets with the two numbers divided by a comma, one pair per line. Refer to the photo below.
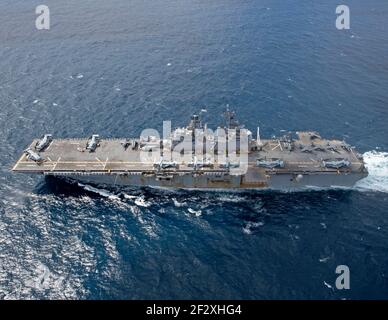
[116,67]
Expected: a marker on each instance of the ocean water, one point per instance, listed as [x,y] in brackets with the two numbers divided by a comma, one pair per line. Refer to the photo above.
[117,67]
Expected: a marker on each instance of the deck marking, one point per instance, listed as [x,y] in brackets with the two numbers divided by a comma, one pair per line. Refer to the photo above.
[106,161]
[55,164]
[95,162]
[351,149]
[49,146]
[280,145]
[19,161]
[277,146]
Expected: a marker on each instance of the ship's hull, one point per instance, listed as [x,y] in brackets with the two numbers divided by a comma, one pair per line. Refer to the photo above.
[283,181]
[311,162]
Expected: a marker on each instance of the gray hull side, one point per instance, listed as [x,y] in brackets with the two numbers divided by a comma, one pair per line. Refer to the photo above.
[276,181]
[287,181]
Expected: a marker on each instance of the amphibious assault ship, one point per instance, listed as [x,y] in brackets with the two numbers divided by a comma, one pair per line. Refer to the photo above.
[228,158]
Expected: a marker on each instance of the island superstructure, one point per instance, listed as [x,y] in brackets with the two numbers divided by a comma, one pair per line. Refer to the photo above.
[290,162]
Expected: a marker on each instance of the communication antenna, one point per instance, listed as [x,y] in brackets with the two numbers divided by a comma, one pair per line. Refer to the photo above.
[203,110]
[258,140]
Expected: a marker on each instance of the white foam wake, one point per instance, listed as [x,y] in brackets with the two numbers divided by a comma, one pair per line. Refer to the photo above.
[377,164]
[101,192]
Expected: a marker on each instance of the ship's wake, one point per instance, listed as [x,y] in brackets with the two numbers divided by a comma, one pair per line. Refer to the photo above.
[377,165]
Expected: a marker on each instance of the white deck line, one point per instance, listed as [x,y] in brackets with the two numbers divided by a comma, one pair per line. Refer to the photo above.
[106,161]
[19,161]
[55,164]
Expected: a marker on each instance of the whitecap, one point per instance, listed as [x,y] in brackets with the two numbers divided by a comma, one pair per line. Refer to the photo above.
[140,201]
[251,225]
[178,204]
[324,259]
[231,198]
[197,213]
[127,196]
[247,230]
